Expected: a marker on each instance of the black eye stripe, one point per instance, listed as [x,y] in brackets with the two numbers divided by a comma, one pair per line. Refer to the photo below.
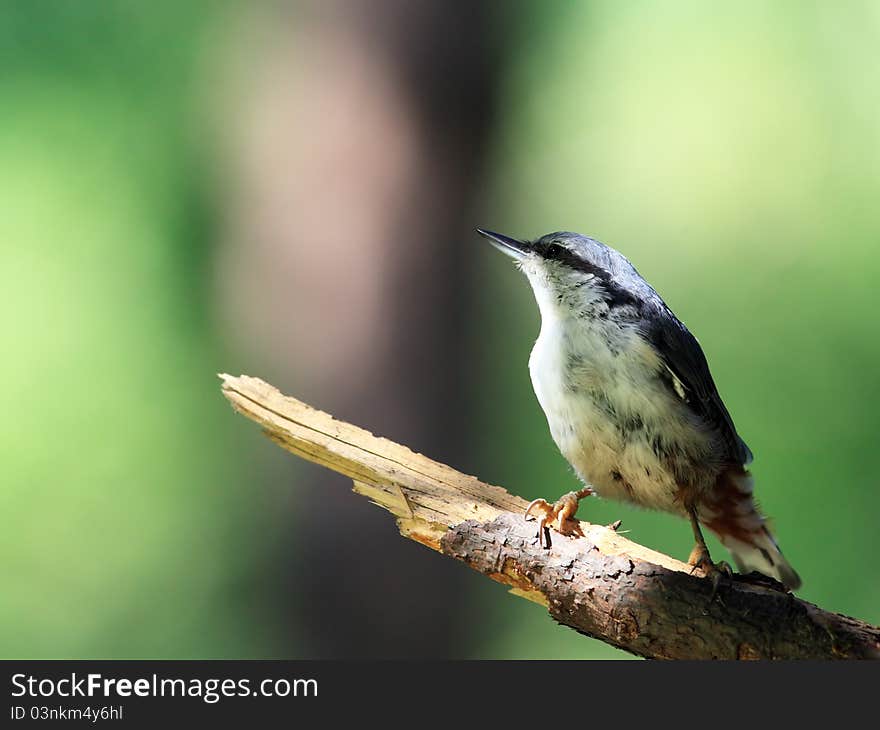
[558,252]
[615,294]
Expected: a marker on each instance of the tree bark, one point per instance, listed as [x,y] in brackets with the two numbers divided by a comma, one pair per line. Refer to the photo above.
[596,581]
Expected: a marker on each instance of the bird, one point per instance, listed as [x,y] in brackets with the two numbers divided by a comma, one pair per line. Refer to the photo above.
[632,406]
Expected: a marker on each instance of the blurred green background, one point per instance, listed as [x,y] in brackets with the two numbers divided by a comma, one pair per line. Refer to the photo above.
[730,151]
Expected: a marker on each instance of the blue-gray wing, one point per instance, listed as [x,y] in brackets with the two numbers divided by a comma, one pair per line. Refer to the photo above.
[685,359]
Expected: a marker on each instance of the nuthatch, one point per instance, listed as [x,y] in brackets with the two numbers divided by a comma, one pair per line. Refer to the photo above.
[631,404]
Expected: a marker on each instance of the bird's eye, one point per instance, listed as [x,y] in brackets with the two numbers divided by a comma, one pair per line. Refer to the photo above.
[554,251]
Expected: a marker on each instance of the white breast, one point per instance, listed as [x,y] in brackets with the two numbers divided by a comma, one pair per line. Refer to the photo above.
[590,375]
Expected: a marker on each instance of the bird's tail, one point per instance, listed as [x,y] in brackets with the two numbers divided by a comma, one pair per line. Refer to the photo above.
[733,515]
[761,553]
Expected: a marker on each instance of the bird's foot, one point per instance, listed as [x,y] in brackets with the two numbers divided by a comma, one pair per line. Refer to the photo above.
[559,515]
[700,559]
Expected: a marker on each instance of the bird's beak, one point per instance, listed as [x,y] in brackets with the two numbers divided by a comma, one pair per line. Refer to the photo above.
[512,247]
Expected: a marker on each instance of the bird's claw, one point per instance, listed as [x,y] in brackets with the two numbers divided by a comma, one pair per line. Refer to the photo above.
[699,559]
[543,506]
[559,515]
[545,515]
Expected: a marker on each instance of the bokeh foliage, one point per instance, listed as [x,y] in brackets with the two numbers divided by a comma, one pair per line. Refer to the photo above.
[125,531]
[731,151]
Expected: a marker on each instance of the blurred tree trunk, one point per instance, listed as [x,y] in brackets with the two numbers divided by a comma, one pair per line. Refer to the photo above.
[358,167]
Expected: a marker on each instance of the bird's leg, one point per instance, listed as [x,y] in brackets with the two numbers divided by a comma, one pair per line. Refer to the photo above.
[700,558]
[562,512]
[700,554]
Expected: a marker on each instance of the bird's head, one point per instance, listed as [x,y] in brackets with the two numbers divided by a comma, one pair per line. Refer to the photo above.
[569,271]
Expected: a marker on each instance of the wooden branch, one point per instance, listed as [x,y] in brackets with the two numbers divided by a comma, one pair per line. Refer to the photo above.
[600,583]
